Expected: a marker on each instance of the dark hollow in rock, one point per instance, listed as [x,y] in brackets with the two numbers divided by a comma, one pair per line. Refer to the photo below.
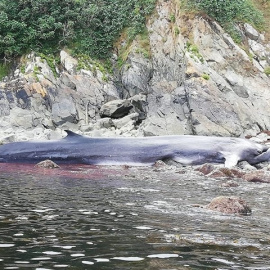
[229,205]
[47,164]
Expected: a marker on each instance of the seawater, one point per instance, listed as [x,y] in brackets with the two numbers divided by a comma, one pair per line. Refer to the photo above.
[85,217]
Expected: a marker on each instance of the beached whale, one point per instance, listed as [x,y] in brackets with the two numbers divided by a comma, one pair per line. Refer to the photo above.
[185,149]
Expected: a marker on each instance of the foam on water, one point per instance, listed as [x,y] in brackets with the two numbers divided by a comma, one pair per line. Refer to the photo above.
[128,259]
[77,255]
[101,260]
[143,228]
[42,210]
[41,259]
[6,245]
[87,262]
[18,234]
[65,247]
[22,250]
[51,252]
[163,256]
[223,261]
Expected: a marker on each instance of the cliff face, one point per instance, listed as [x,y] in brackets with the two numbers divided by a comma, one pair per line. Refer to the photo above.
[196,80]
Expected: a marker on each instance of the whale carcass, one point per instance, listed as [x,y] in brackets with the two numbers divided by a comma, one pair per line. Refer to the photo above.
[144,151]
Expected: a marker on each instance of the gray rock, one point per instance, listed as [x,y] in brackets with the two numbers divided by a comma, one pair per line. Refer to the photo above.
[4,107]
[258,49]
[49,164]
[129,119]
[229,205]
[21,118]
[116,108]
[64,111]
[67,81]
[251,32]
[244,165]
[104,123]
[139,103]
[168,90]
[136,75]
[68,62]
[7,139]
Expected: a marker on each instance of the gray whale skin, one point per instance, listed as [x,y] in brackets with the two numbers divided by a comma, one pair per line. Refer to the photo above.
[145,151]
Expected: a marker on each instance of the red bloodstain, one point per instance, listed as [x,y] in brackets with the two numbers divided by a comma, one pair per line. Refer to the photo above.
[80,171]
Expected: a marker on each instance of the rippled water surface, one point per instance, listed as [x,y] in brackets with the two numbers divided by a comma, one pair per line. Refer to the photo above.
[83,217]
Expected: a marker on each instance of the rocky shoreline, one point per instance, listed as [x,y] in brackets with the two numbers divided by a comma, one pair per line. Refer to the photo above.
[228,178]
[196,81]
[227,181]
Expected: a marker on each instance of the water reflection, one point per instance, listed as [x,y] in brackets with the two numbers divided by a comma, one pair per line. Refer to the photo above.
[135,218]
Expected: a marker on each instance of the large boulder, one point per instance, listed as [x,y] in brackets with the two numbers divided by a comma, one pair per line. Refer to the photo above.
[64,111]
[251,32]
[68,62]
[257,176]
[116,108]
[229,205]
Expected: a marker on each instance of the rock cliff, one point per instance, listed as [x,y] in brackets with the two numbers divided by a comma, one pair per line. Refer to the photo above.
[187,77]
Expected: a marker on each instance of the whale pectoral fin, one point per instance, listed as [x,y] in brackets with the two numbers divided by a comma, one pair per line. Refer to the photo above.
[231,160]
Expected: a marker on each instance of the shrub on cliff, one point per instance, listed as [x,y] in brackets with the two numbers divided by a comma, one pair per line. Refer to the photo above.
[229,12]
[88,26]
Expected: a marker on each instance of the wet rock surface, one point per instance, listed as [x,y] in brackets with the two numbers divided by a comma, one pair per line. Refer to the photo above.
[257,176]
[229,205]
[49,164]
[229,184]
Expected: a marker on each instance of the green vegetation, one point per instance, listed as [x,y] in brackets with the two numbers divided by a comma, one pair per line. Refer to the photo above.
[264,6]
[22,69]
[87,63]
[194,51]
[206,76]
[92,27]
[228,13]
[87,26]
[172,18]
[36,72]
[142,46]
[4,70]
[52,61]
[267,71]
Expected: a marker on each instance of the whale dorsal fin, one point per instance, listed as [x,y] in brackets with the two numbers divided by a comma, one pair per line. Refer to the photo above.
[71,134]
